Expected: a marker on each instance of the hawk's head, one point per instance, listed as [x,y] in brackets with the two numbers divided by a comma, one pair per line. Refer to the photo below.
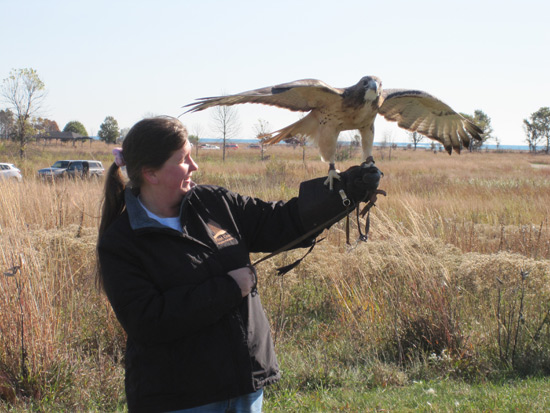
[372,87]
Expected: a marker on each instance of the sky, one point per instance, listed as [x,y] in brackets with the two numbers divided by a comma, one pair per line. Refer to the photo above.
[131,59]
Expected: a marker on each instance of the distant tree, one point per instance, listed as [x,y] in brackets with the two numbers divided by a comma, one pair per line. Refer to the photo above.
[262,128]
[123,133]
[356,138]
[51,125]
[537,128]
[225,122]
[497,143]
[532,136]
[194,140]
[299,140]
[415,138]
[43,126]
[197,130]
[195,134]
[7,124]
[25,93]
[76,127]
[108,131]
[483,121]
[344,152]
[387,141]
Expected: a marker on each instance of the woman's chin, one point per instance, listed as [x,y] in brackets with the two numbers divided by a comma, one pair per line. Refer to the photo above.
[186,185]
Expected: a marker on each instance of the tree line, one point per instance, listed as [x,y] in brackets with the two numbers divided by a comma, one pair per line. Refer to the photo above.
[24,93]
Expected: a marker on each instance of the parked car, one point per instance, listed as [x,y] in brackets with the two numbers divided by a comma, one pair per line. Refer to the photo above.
[232,146]
[72,168]
[10,171]
[85,169]
[55,171]
[206,146]
[254,146]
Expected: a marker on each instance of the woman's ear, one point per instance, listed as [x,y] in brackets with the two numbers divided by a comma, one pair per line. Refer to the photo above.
[150,176]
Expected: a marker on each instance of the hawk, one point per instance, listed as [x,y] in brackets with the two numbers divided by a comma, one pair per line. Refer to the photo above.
[333,110]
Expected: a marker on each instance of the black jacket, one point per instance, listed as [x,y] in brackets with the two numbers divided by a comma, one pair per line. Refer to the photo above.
[192,339]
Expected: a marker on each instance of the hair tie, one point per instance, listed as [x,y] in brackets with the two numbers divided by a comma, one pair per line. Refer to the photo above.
[119,159]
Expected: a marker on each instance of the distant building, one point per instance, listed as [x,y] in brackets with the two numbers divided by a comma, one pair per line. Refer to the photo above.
[63,137]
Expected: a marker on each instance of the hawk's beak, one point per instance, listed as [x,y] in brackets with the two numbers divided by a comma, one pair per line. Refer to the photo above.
[373,85]
[373,90]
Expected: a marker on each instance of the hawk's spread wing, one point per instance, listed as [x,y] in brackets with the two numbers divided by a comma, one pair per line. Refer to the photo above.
[419,111]
[300,95]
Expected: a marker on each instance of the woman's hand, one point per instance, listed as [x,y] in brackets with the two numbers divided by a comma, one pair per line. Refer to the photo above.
[361,182]
[245,277]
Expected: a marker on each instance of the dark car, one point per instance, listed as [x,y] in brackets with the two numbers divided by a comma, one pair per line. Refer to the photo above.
[85,169]
[72,168]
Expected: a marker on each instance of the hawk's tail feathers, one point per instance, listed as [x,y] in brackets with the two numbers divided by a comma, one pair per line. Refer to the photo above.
[295,129]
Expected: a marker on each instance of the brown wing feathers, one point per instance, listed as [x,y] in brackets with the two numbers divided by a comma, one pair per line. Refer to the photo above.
[418,111]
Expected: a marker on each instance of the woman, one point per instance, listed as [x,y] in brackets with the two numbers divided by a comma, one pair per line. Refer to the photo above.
[174,263]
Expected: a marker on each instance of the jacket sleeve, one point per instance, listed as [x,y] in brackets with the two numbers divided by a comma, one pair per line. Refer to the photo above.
[151,316]
[268,226]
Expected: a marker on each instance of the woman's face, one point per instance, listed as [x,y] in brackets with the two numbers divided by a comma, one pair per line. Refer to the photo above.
[174,176]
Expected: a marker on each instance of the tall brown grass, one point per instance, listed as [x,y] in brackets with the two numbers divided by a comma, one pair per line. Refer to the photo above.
[438,289]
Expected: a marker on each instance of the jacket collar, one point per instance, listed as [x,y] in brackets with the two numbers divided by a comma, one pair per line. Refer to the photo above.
[138,216]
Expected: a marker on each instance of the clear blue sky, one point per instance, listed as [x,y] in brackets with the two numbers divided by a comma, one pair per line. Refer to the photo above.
[128,59]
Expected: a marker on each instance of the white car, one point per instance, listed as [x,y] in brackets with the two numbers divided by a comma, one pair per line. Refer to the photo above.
[10,171]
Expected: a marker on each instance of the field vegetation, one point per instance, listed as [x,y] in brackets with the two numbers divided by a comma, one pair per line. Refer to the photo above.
[445,308]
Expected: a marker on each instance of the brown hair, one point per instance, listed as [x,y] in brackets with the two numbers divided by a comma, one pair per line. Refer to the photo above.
[149,143]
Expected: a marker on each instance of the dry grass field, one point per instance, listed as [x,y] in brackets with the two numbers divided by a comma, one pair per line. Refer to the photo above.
[453,282]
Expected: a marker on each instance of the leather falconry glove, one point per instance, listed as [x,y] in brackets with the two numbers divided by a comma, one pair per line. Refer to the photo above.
[318,205]
[360,182]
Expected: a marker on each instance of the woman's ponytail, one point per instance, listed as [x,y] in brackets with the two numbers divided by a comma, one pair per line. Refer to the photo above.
[113,205]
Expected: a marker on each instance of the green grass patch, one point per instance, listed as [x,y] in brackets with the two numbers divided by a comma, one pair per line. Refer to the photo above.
[528,395]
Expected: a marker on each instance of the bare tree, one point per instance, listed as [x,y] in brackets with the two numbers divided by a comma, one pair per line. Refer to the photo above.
[260,129]
[25,93]
[301,140]
[225,122]
[354,138]
[415,138]
[387,141]
[497,142]
[197,131]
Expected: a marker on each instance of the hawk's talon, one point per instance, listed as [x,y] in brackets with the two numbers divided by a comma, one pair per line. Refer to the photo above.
[332,174]
[367,163]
